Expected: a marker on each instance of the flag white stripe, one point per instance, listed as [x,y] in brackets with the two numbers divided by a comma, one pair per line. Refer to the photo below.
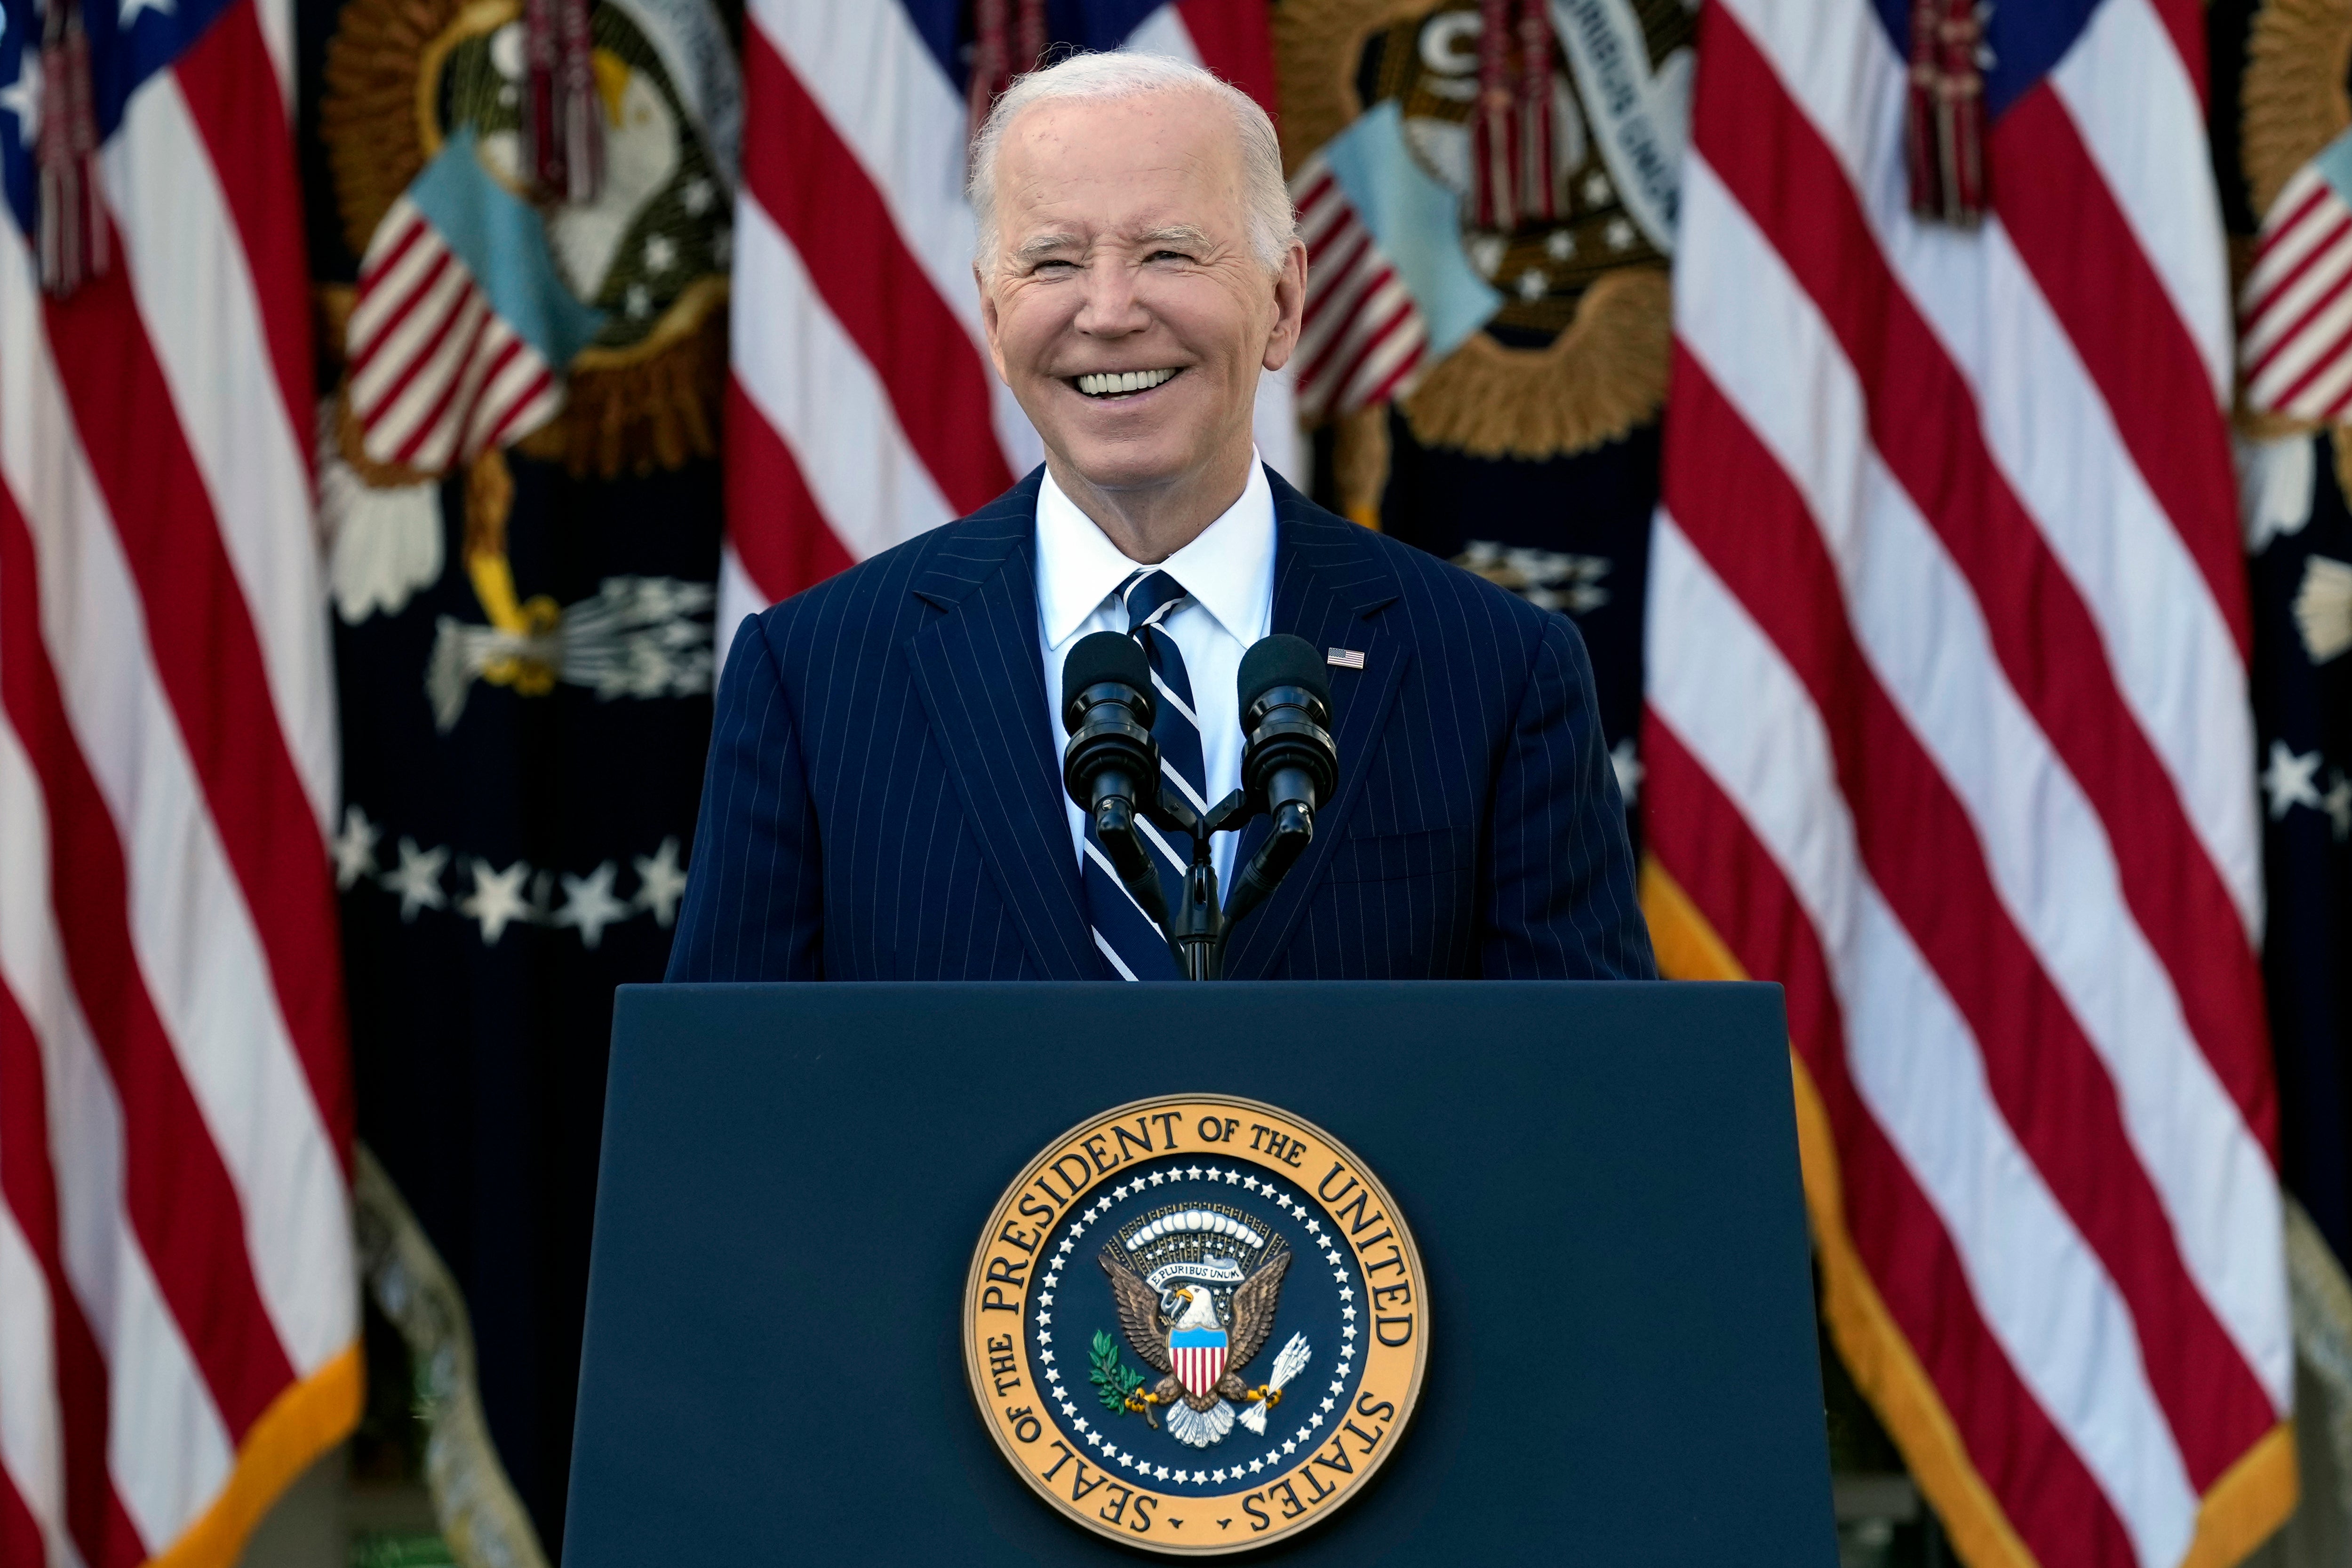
[1401,343]
[32,1448]
[196,946]
[807,379]
[2325,272]
[904,121]
[165,1445]
[1749,322]
[2129,94]
[150,1374]
[205,324]
[738,596]
[2278,250]
[405,418]
[2043,1292]
[2049,431]
[405,340]
[2312,343]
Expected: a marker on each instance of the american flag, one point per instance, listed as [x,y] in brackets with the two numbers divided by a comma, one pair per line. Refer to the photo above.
[177,1302]
[862,409]
[2295,349]
[1948,732]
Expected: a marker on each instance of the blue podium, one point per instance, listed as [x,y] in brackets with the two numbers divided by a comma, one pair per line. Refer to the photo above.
[1602,1181]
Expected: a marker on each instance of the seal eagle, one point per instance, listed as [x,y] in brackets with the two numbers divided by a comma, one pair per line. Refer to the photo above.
[1201,1414]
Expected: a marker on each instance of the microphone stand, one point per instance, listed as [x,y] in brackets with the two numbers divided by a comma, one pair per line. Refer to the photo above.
[1197,928]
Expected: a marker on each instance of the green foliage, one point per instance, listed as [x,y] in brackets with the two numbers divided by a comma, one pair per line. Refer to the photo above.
[1113,1383]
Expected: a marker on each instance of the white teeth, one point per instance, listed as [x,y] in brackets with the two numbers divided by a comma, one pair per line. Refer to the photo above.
[1110,383]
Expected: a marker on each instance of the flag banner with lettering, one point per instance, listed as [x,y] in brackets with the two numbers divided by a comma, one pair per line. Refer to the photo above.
[178,1311]
[862,408]
[520,483]
[1948,732]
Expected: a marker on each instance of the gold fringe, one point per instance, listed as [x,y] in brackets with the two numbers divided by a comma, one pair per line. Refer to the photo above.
[300,1425]
[2293,100]
[1597,381]
[2252,1498]
[1317,44]
[653,404]
[368,114]
[1360,463]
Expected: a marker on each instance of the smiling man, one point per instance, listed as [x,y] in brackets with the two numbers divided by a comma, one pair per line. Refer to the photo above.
[884,797]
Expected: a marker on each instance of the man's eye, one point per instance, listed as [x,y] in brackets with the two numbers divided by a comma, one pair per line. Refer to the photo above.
[1168,255]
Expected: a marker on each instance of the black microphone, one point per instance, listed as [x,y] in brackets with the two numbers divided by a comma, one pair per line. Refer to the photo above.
[1289,763]
[1111,767]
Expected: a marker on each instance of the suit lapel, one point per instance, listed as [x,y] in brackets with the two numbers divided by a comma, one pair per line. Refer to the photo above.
[983,687]
[1330,585]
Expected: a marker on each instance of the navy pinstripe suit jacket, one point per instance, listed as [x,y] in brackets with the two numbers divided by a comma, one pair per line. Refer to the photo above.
[883,802]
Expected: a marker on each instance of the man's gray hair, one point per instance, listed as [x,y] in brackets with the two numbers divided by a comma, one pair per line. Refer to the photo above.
[1272,223]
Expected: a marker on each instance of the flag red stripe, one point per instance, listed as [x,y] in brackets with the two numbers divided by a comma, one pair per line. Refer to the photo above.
[2184,22]
[461,371]
[20,1533]
[1370,343]
[2287,336]
[232,92]
[1741,512]
[520,404]
[2326,360]
[419,289]
[1354,338]
[1702,840]
[28,1186]
[775,524]
[412,229]
[1395,379]
[2319,251]
[211,671]
[182,1204]
[2074,237]
[1925,422]
[424,355]
[1325,284]
[798,169]
[1235,38]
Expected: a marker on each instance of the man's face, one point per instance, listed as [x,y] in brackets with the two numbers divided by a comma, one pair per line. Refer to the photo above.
[1127,311]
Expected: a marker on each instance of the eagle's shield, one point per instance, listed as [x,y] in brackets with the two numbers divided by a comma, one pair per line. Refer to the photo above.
[1200,1357]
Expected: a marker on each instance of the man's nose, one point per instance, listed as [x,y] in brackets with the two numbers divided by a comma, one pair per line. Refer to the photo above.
[1110,307]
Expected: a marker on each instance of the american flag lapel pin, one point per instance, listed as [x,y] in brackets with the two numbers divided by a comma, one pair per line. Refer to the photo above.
[1345,658]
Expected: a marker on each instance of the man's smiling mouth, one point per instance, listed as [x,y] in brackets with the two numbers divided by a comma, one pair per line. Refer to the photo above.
[1122,383]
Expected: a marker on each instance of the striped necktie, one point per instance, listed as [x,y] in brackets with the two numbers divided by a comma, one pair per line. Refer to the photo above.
[1137,948]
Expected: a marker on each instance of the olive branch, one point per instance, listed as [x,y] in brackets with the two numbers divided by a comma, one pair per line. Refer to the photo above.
[1114,1383]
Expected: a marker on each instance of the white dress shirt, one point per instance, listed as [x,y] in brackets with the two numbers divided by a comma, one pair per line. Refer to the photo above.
[1228,571]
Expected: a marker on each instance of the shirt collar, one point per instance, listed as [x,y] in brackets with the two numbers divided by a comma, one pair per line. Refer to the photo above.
[1228,568]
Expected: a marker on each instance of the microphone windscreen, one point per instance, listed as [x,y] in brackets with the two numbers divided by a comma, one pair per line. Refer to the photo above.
[1282,660]
[1102,656]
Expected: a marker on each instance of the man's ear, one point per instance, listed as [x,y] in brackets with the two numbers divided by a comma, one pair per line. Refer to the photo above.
[988,322]
[1289,308]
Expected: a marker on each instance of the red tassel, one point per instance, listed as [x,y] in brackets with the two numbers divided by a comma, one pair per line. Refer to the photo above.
[1510,128]
[70,223]
[1535,197]
[562,140]
[1945,145]
[1002,48]
[1490,122]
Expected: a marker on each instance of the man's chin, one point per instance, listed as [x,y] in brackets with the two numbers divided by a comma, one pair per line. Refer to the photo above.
[1123,466]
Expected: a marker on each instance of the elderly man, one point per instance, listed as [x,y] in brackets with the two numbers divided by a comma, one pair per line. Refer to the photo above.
[884,799]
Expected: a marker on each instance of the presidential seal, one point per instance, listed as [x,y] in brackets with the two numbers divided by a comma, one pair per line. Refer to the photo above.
[1196,1325]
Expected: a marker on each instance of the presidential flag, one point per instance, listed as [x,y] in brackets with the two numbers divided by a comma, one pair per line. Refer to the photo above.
[177,1310]
[862,409]
[1948,733]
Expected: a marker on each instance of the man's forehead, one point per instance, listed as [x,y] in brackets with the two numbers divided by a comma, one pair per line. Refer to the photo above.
[1157,171]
